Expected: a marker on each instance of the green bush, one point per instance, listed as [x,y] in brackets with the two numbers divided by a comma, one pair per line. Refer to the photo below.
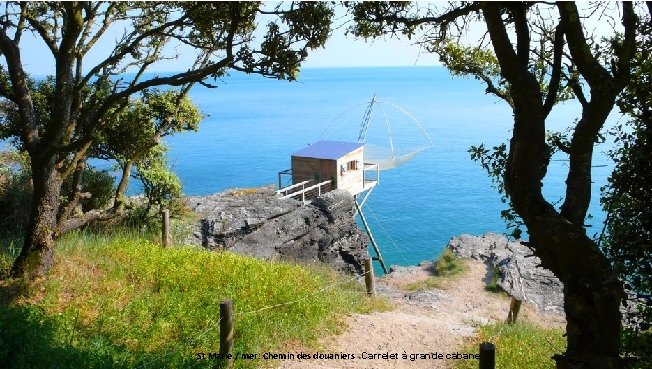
[448,264]
[99,183]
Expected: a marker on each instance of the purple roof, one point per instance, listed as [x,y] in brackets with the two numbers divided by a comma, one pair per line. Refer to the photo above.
[327,150]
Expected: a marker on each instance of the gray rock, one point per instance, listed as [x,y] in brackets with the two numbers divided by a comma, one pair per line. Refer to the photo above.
[519,272]
[257,223]
[521,276]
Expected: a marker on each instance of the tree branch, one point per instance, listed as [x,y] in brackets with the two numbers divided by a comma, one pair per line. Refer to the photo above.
[125,50]
[21,94]
[594,73]
[88,217]
[518,11]
[555,77]
[507,58]
[629,43]
[21,23]
[82,46]
[441,20]
[42,31]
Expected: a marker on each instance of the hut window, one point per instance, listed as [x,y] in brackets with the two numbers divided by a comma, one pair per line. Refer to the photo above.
[352,165]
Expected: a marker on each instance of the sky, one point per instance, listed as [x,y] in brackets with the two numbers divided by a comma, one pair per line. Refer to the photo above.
[340,51]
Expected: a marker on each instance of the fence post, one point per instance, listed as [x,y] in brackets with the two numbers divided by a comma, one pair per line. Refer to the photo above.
[369,277]
[487,355]
[165,231]
[514,308]
[226,331]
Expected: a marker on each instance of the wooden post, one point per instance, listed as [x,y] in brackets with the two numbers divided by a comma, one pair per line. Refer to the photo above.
[487,355]
[514,308]
[165,231]
[226,330]
[369,277]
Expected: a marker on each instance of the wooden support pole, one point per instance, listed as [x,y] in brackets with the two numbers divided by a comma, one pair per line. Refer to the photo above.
[487,355]
[165,229]
[369,277]
[226,331]
[371,237]
[514,308]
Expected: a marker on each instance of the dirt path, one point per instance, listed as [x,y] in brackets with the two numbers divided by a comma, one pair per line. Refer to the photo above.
[434,320]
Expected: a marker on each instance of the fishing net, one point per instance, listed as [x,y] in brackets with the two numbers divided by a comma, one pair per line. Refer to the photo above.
[392,136]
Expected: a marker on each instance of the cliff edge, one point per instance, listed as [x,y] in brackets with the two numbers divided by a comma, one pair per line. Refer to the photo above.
[256,222]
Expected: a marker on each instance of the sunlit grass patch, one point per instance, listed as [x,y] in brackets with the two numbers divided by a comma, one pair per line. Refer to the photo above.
[521,345]
[122,301]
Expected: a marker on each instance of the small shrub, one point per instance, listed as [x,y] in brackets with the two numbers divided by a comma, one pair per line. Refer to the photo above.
[448,264]
[636,341]
[101,185]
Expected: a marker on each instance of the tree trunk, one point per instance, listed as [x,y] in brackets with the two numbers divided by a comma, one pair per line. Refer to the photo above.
[119,199]
[592,292]
[36,256]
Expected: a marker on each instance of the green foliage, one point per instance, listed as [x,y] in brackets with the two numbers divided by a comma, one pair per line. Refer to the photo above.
[494,162]
[637,345]
[446,268]
[98,183]
[122,302]
[518,346]
[160,184]
[477,62]
[136,129]
[627,238]
[448,264]
[15,191]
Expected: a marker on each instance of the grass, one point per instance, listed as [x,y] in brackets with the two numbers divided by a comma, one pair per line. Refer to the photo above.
[447,266]
[10,246]
[123,302]
[521,345]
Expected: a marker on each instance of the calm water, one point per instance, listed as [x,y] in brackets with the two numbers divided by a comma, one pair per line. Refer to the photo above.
[253,124]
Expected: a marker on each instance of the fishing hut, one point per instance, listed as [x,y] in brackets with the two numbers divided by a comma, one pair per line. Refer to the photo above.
[354,166]
[328,165]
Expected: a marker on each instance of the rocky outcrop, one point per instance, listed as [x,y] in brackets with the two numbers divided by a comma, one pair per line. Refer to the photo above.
[519,273]
[255,222]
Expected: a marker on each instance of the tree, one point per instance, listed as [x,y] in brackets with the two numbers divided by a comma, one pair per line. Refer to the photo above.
[87,98]
[133,138]
[537,53]
[627,199]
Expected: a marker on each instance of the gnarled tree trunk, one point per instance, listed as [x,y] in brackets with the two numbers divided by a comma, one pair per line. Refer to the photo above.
[36,256]
[592,291]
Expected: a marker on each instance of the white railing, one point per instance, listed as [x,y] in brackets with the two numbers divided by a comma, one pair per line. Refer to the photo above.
[304,190]
[285,190]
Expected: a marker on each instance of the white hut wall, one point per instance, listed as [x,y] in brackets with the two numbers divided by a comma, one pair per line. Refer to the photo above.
[349,172]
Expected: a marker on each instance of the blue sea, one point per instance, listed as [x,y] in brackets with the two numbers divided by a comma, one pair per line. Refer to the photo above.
[253,124]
